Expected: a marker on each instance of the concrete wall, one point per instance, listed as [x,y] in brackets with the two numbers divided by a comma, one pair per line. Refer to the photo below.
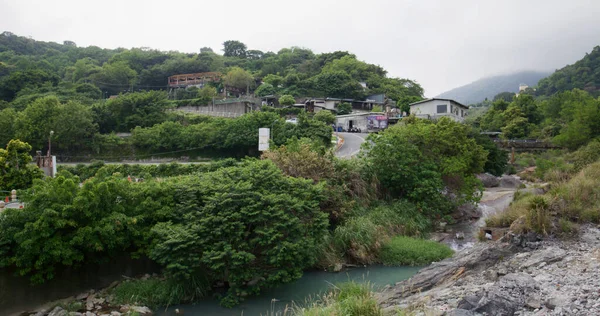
[357,121]
[220,110]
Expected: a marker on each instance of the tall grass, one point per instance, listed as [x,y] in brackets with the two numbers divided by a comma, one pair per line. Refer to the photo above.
[347,299]
[159,293]
[575,200]
[402,250]
[359,239]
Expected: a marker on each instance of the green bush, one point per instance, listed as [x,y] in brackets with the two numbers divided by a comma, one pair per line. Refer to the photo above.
[159,293]
[248,226]
[410,251]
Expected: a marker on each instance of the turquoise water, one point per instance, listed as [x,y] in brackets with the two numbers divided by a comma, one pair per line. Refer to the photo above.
[312,284]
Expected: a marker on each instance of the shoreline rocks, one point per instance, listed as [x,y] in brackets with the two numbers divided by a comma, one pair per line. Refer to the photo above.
[520,275]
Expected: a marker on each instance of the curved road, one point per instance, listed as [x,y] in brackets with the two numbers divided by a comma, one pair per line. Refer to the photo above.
[352,142]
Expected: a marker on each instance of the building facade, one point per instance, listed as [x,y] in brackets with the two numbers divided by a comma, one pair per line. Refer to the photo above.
[437,108]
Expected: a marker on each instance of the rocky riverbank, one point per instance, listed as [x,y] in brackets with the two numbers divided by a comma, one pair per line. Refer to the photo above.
[90,303]
[517,275]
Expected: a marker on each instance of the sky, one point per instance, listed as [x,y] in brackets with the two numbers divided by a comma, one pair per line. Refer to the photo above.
[441,44]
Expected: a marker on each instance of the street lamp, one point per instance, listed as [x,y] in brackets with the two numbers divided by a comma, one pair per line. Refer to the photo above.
[50,143]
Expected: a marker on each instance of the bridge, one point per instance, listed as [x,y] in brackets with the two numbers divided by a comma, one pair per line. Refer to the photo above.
[525,144]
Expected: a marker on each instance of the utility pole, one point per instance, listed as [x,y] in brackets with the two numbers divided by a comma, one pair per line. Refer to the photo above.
[50,143]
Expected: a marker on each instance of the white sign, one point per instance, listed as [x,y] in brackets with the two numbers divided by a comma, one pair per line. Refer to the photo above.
[263,138]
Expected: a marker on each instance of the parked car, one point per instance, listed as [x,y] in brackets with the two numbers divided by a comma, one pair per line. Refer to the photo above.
[292,120]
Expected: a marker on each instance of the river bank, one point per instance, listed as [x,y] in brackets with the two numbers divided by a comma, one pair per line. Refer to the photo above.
[522,275]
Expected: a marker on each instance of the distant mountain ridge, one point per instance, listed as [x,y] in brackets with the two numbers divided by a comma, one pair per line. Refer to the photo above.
[481,89]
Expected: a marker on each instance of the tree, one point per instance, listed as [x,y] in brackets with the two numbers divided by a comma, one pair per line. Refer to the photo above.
[287,100]
[206,94]
[239,78]
[264,90]
[273,80]
[422,159]
[505,96]
[325,117]
[338,84]
[48,114]
[116,77]
[16,172]
[133,109]
[344,108]
[234,49]
[206,50]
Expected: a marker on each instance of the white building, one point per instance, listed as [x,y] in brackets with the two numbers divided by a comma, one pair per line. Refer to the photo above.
[437,108]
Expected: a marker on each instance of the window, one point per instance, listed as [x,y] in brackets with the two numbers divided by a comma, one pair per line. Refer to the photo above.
[442,108]
[462,114]
[451,108]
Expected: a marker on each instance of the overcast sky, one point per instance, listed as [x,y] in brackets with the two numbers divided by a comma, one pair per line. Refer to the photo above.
[441,44]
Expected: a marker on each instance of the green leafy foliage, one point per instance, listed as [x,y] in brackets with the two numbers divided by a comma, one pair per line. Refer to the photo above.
[243,226]
[422,159]
[16,172]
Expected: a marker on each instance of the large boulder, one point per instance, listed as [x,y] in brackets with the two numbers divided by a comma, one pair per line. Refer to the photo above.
[507,295]
[488,180]
[510,182]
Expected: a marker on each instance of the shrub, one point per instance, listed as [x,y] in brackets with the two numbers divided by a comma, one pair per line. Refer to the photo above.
[359,238]
[537,216]
[159,293]
[248,226]
[410,251]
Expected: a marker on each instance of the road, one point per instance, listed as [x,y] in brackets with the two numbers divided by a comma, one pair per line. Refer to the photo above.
[351,146]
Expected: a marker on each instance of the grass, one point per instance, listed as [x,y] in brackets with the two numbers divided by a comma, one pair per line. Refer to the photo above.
[403,250]
[360,238]
[156,292]
[346,299]
[576,200]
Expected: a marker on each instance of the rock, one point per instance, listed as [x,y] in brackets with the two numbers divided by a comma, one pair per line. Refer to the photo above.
[490,275]
[507,295]
[510,182]
[89,314]
[82,296]
[141,309]
[480,256]
[468,302]
[488,180]
[466,212]
[75,314]
[338,267]
[460,312]
[58,311]
[557,300]
[548,255]
[534,302]
[115,314]
[460,235]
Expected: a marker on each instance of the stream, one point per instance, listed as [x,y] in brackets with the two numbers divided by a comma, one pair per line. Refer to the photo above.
[273,302]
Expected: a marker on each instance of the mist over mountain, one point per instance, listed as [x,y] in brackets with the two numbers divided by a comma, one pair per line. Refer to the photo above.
[481,89]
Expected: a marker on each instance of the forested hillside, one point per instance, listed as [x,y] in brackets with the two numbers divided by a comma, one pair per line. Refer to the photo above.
[487,88]
[297,71]
[63,88]
[583,75]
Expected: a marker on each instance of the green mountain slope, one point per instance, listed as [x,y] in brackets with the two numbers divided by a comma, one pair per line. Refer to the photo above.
[584,75]
[481,89]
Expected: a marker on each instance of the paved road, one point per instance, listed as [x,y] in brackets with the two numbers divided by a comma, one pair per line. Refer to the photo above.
[351,147]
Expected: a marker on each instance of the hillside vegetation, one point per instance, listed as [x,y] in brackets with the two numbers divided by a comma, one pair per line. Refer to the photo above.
[583,75]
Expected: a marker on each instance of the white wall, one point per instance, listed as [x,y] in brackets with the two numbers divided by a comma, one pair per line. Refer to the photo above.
[429,110]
